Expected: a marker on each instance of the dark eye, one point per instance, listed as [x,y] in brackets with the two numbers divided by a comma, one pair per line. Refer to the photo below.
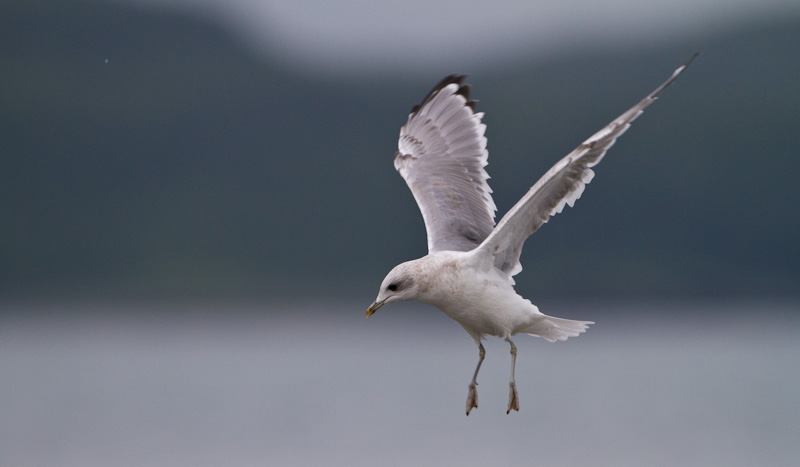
[392,287]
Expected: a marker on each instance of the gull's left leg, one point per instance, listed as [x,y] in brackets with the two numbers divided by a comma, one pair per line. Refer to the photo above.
[513,397]
[472,396]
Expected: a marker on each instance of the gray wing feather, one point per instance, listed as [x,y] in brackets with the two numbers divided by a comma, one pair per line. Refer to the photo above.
[441,155]
[562,185]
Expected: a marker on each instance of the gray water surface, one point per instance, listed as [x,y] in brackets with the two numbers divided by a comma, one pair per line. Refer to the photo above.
[272,384]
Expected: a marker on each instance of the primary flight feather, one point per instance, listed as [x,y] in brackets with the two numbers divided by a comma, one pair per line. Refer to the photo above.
[468,270]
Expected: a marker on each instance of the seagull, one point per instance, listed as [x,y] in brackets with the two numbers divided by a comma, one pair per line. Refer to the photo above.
[468,271]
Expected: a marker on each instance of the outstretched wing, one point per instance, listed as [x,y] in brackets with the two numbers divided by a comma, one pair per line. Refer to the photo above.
[561,185]
[441,155]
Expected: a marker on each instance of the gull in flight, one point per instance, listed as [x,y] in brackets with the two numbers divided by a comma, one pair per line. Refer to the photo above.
[468,270]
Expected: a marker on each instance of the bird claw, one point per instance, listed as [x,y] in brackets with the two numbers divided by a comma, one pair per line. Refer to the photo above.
[472,397]
[513,398]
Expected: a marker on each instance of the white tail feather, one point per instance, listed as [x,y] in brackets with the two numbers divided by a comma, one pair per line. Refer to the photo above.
[556,329]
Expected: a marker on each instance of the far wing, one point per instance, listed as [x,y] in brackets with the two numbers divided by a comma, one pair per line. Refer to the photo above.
[441,155]
[562,185]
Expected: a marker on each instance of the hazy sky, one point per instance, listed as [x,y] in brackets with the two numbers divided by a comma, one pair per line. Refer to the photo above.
[358,35]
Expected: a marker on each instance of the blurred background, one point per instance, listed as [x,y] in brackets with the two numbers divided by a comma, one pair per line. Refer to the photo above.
[199,202]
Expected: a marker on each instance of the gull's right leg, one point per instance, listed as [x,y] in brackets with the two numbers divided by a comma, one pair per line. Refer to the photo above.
[472,396]
[513,396]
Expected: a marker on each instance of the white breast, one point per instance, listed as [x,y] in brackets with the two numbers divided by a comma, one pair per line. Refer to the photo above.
[484,303]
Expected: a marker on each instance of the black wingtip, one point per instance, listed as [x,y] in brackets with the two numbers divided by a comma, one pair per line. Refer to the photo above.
[691,59]
[463,90]
[678,71]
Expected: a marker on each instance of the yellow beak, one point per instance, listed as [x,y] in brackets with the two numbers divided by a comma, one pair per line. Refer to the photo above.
[374,307]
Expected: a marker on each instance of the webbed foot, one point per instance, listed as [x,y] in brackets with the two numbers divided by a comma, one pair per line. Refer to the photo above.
[472,397]
[513,398]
